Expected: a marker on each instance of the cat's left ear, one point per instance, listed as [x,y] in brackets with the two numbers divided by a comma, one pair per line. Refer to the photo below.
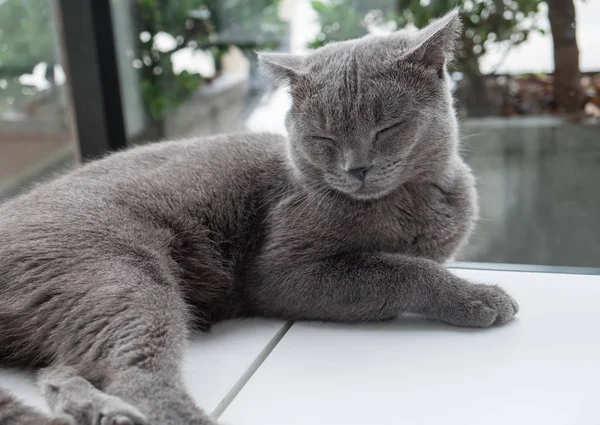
[436,42]
[283,67]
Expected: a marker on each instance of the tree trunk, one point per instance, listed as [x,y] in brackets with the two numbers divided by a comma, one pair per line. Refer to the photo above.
[567,79]
[474,96]
[157,129]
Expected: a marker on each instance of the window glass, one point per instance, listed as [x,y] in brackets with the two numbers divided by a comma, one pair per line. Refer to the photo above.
[189,67]
[36,132]
[531,135]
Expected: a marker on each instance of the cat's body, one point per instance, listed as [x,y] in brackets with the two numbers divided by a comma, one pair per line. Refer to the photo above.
[229,199]
[103,271]
[183,211]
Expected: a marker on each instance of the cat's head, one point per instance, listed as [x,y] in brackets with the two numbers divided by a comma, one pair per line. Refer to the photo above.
[370,114]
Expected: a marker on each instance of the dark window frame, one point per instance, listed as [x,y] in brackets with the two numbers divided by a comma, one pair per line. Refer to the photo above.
[86,32]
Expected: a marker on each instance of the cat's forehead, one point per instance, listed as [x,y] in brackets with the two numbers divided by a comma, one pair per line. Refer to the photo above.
[366,68]
[357,80]
[365,54]
[371,45]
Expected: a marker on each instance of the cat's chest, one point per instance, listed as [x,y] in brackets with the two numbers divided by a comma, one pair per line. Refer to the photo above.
[403,222]
[415,221]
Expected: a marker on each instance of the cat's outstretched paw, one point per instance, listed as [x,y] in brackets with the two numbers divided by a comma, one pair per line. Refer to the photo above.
[479,306]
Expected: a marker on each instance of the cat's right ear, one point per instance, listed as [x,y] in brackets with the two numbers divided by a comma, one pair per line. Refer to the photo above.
[436,42]
[285,68]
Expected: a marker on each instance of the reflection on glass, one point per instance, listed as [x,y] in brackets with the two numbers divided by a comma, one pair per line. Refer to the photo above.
[537,179]
[36,137]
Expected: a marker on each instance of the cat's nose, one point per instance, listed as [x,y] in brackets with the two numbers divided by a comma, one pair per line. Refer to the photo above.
[360,172]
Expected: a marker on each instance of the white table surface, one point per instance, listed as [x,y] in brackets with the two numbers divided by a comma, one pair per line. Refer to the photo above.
[542,368]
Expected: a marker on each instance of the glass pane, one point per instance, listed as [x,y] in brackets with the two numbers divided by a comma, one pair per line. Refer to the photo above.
[189,67]
[532,136]
[36,134]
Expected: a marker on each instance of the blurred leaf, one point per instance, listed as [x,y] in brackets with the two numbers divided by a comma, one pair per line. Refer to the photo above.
[319,6]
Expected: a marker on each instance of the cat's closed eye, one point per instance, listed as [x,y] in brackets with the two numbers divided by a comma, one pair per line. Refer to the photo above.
[322,146]
[389,130]
[323,139]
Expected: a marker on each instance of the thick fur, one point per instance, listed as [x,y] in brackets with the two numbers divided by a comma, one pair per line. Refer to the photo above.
[13,412]
[104,270]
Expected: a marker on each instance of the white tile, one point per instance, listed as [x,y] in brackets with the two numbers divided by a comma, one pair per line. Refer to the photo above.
[213,363]
[22,385]
[216,361]
[542,368]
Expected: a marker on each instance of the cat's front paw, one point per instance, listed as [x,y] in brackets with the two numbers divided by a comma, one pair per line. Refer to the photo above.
[479,306]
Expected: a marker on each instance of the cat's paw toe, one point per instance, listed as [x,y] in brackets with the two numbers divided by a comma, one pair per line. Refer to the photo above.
[481,306]
[496,299]
[503,303]
[515,305]
[114,411]
[116,420]
[478,314]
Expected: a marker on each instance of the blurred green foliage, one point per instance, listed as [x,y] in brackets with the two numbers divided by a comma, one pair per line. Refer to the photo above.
[211,25]
[26,35]
[345,19]
[27,38]
[485,21]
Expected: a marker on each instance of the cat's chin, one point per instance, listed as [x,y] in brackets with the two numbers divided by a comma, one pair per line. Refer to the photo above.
[368,193]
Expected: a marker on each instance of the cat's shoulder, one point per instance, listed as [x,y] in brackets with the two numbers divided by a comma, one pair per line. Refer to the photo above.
[214,153]
[235,144]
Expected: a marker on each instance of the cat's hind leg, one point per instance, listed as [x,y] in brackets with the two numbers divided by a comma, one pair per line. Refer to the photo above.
[14,412]
[117,351]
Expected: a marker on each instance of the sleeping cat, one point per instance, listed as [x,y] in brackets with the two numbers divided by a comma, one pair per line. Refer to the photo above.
[104,270]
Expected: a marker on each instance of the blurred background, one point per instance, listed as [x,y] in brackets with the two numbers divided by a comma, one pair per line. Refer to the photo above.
[80,79]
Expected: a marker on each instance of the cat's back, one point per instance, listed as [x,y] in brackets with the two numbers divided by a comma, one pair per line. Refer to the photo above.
[172,172]
[134,195]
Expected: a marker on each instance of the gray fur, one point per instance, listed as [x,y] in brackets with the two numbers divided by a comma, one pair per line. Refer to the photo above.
[104,270]
[13,412]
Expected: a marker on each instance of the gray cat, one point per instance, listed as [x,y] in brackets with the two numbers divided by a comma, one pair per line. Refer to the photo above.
[104,270]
